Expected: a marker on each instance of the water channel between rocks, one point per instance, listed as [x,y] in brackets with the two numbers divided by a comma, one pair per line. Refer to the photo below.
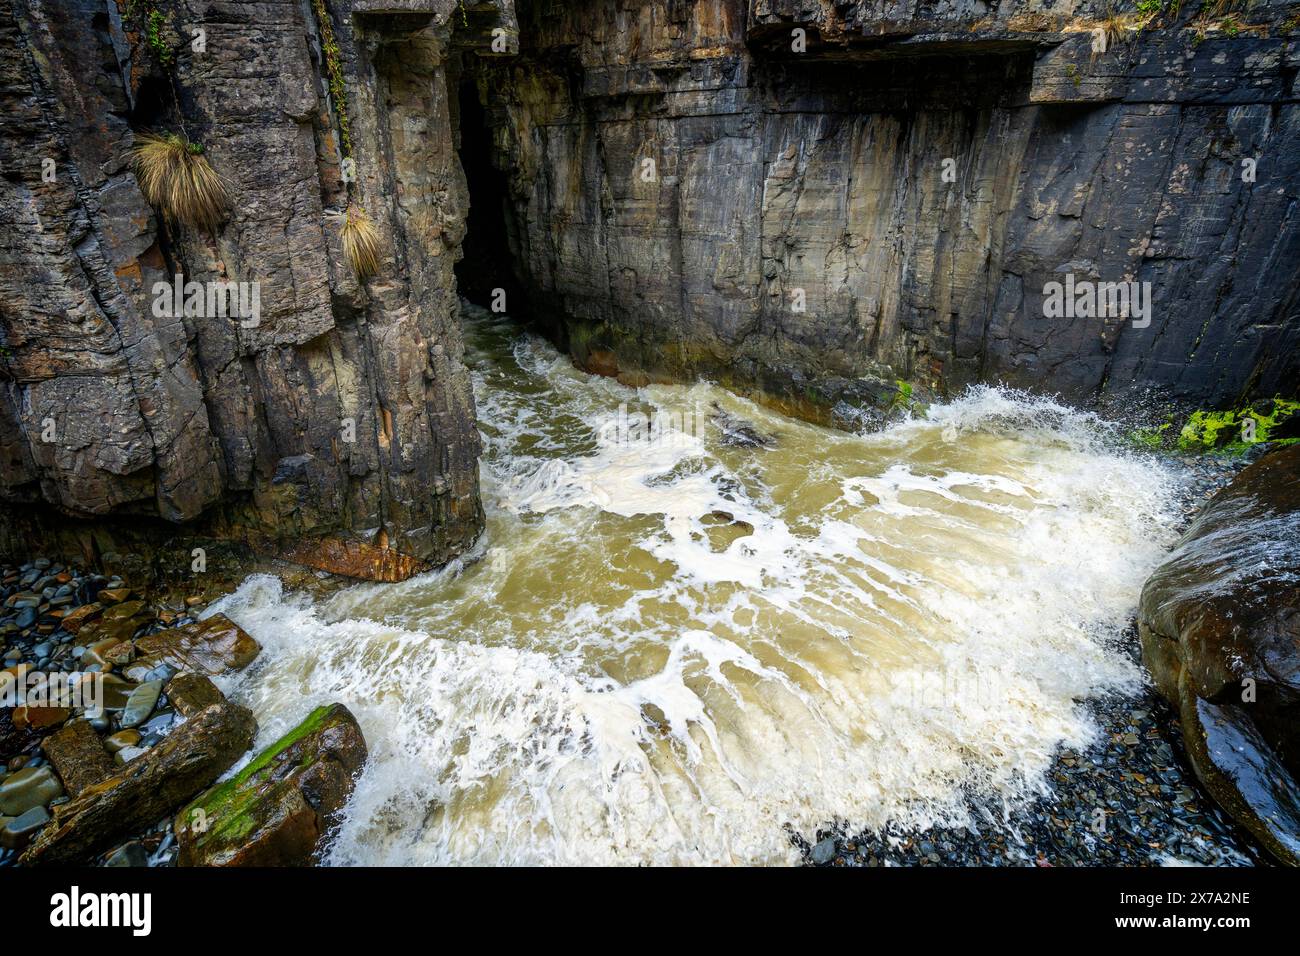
[677,646]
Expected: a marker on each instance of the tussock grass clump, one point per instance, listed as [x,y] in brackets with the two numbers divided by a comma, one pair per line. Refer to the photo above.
[177,179]
[360,241]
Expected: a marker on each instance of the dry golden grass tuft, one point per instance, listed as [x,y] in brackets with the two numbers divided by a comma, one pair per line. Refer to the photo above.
[177,179]
[360,241]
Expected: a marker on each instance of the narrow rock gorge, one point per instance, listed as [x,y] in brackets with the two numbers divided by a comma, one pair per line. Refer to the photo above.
[810,201]
[607,432]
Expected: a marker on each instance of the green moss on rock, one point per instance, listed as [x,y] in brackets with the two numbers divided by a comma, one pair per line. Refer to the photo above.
[1227,432]
[260,816]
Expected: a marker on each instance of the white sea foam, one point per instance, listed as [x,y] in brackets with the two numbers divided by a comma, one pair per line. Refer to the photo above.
[669,654]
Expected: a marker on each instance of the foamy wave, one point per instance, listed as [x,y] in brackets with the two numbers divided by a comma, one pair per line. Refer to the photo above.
[672,653]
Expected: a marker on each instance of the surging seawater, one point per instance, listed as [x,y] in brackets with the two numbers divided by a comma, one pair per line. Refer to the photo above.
[670,647]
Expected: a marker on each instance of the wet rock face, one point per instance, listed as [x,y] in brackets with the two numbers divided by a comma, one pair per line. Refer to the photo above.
[338,428]
[275,811]
[686,193]
[214,645]
[1220,628]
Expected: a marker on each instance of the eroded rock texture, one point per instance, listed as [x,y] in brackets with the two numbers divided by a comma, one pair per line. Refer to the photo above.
[339,430]
[819,174]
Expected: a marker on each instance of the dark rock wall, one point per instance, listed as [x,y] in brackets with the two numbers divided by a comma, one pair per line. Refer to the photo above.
[776,174]
[235,430]
[822,171]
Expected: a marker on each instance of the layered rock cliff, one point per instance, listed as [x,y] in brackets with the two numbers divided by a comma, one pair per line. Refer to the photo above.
[807,198]
[817,198]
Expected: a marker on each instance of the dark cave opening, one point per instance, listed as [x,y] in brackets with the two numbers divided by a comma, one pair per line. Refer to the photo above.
[487,258]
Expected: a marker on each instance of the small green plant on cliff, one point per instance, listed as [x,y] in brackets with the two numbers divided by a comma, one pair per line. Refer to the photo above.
[334,74]
[903,399]
[1219,8]
[1150,9]
[151,22]
[177,179]
[357,232]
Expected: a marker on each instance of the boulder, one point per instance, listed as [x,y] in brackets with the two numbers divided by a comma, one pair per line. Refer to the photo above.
[148,788]
[18,831]
[190,693]
[78,618]
[212,646]
[78,756]
[117,623]
[31,717]
[275,811]
[1220,627]
[29,787]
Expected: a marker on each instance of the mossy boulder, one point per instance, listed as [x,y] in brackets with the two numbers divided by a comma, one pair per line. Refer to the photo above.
[1234,432]
[1220,627]
[276,810]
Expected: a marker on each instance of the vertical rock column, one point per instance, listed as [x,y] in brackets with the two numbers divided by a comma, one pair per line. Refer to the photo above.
[338,428]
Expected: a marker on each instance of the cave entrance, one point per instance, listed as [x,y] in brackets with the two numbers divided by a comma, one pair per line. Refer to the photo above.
[487,262]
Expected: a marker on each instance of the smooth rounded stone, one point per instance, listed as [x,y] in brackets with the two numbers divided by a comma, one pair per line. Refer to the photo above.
[824,851]
[26,617]
[129,854]
[127,754]
[139,672]
[160,723]
[78,650]
[29,787]
[99,723]
[18,831]
[41,563]
[141,703]
[163,672]
[102,652]
[116,692]
[121,739]
[43,649]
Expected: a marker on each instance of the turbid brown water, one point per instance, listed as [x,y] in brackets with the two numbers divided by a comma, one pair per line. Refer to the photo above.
[675,642]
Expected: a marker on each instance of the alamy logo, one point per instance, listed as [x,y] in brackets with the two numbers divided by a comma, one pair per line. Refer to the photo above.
[212,300]
[25,687]
[639,428]
[1086,299]
[74,909]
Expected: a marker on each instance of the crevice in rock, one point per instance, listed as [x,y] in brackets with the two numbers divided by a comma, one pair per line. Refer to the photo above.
[487,261]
